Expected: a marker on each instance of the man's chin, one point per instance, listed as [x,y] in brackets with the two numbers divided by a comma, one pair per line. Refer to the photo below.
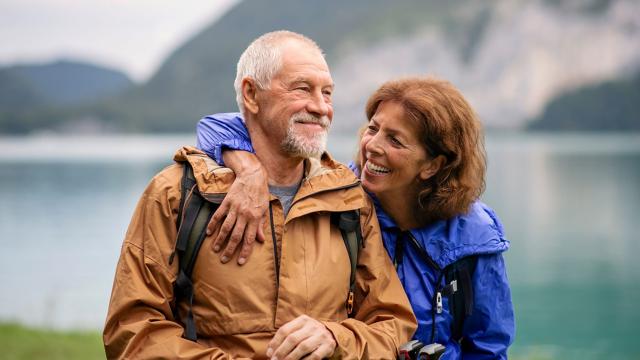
[306,150]
[299,143]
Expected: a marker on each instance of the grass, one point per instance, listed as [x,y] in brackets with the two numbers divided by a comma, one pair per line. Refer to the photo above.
[19,342]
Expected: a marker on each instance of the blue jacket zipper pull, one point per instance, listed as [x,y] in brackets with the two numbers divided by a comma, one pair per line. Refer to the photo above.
[439,302]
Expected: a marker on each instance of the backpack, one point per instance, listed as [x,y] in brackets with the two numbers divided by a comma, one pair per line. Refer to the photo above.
[194,214]
[458,285]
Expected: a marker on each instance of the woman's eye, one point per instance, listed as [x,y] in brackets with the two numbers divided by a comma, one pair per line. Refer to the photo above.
[395,141]
[372,129]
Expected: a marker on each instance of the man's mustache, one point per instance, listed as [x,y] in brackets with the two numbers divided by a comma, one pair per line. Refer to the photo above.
[306,118]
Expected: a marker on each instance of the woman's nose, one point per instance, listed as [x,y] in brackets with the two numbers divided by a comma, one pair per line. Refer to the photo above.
[374,146]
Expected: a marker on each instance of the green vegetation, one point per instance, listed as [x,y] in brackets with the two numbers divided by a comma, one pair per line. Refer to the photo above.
[197,78]
[36,97]
[611,105]
[19,342]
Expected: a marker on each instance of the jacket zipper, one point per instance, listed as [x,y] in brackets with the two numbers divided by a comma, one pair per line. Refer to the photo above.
[276,256]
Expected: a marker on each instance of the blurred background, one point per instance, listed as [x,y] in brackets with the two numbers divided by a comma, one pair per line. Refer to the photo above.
[95,97]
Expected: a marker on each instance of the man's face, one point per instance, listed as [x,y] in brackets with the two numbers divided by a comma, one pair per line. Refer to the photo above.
[296,111]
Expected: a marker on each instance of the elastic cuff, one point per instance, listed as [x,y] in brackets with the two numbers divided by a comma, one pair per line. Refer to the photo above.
[343,339]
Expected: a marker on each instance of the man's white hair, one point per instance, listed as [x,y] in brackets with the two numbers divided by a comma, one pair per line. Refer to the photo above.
[263,59]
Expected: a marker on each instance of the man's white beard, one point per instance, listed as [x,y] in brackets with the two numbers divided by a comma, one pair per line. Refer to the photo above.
[297,144]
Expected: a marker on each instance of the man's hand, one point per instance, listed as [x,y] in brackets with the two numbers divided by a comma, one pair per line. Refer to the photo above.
[302,337]
[242,213]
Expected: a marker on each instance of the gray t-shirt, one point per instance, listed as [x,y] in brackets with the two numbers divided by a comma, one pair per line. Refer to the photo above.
[285,194]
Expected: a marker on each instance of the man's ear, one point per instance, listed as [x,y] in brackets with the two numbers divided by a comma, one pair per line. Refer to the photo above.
[249,95]
[432,167]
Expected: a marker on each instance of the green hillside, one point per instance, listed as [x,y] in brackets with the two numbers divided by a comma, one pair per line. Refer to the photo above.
[609,106]
[197,78]
[31,96]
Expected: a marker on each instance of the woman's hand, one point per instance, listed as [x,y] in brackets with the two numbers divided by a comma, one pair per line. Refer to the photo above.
[242,214]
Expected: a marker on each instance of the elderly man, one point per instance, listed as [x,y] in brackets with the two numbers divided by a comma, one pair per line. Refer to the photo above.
[288,302]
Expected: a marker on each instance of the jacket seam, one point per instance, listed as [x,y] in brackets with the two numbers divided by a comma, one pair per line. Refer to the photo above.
[147,257]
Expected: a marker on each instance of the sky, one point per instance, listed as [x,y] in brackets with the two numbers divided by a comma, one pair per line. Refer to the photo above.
[133,36]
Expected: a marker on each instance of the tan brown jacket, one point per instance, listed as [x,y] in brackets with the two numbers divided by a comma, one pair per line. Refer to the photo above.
[238,309]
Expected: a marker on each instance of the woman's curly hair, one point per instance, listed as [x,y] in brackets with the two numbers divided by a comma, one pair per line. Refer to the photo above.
[449,127]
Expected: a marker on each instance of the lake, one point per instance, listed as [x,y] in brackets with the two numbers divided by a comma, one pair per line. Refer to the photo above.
[570,204]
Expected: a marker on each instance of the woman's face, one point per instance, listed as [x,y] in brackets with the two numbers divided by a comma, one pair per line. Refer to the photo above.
[393,160]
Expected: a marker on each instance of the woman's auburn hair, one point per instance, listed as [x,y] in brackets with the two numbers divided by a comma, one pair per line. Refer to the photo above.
[449,127]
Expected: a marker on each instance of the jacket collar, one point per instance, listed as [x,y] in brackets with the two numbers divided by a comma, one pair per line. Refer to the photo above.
[475,233]
[322,176]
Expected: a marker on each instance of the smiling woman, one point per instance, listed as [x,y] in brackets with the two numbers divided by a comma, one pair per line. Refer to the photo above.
[394,164]
[429,142]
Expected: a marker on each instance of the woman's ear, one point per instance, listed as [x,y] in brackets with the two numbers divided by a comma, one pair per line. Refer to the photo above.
[249,95]
[432,167]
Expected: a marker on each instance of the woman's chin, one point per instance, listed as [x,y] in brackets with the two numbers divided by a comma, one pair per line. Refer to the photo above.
[368,185]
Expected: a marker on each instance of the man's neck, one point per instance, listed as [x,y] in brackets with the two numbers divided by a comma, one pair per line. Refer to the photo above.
[282,169]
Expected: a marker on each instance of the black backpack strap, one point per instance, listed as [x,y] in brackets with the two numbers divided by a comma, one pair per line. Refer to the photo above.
[349,224]
[459,290]
[186,184]
[193,216]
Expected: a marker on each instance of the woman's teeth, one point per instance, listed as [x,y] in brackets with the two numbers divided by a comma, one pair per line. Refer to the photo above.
[377,169]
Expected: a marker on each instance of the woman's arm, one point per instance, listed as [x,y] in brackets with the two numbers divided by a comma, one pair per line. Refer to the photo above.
[218,132]
[240,217]
[490,330]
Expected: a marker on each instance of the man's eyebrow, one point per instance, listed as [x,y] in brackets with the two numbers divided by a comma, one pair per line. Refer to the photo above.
[307,81]
[299,79]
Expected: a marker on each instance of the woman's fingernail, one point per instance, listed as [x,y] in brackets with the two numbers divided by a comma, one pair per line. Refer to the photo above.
[269,352]
[224,259]
[216,248]
[241,261]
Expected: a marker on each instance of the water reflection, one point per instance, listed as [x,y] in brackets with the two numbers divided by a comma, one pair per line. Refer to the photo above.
[569,204]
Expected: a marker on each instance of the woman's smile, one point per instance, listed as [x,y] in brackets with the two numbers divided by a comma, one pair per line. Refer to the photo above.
[376,169]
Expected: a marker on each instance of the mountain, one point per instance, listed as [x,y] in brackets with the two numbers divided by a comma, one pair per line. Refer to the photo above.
[197,79]
[33,95]
[509,58]
[61,83]
[611,105]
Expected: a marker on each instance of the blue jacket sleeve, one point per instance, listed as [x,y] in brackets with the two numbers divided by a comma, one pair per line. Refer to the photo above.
[490,329]
[222,131]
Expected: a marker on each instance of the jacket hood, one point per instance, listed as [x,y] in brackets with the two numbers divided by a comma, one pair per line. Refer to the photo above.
[320,175]
[212,179]
[477,232]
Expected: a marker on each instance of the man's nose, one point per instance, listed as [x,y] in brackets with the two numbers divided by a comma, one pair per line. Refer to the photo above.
[318,104]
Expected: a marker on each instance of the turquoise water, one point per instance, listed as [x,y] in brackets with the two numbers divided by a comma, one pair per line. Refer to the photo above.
[570,205]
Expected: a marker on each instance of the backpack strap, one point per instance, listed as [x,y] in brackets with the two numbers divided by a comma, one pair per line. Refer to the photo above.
[193,216]
[349,224]
[459,289]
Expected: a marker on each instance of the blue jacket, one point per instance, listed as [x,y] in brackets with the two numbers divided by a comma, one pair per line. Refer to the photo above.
[490,329]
